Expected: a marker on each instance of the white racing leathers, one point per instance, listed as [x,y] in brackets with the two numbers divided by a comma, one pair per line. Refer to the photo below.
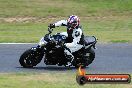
[76,35]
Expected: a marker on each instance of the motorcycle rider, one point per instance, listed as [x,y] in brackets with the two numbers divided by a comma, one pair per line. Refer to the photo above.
[75,36]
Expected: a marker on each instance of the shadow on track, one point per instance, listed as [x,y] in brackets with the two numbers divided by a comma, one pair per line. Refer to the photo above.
[48,68]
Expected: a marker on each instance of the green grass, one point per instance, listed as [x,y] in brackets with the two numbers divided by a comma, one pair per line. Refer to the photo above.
[49,80]
[44,8]
[27,20]
[112,29]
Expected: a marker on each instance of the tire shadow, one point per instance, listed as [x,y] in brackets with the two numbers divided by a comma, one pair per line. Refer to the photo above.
[48,68]
[55,68]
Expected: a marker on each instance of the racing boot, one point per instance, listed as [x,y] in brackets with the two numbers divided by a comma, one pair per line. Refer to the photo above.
[69,57]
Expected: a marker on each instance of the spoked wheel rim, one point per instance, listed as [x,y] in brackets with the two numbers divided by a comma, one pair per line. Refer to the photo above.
[28,61]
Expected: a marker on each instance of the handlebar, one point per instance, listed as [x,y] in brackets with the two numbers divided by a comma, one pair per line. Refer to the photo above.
[50,30]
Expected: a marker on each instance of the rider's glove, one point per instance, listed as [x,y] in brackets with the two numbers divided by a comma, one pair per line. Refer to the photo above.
[51,26]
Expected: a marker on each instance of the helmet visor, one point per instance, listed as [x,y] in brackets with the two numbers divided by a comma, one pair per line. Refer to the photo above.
[72,25]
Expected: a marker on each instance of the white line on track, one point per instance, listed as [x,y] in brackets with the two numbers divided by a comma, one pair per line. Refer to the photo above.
[16,43]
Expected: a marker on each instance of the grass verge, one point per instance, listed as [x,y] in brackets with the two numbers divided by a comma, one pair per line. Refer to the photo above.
[44,8]
[27,20]
[106,29]
[49,80]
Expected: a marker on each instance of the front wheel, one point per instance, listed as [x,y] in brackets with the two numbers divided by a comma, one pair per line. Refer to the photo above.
[30,58]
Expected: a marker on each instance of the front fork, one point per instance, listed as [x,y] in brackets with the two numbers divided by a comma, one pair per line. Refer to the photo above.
[39,49]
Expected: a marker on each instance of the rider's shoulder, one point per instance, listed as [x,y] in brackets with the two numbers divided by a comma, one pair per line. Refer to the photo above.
[79,27]
[62,21]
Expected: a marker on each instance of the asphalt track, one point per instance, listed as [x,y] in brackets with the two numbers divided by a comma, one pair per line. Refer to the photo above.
[110,58]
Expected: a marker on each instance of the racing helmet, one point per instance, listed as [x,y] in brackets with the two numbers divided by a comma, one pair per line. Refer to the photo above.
[73,22]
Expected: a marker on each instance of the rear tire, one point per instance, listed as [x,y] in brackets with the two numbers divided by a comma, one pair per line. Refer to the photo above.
[88,59]
[91,56]
[82,66]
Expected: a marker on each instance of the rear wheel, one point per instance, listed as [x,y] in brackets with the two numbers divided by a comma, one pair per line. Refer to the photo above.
[79,62]
[82,65]
[88,59]
[30,58]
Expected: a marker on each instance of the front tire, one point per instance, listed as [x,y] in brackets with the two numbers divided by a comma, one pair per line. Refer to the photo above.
[29,59]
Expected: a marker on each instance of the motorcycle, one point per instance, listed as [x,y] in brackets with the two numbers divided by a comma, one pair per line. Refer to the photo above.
[51,48]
